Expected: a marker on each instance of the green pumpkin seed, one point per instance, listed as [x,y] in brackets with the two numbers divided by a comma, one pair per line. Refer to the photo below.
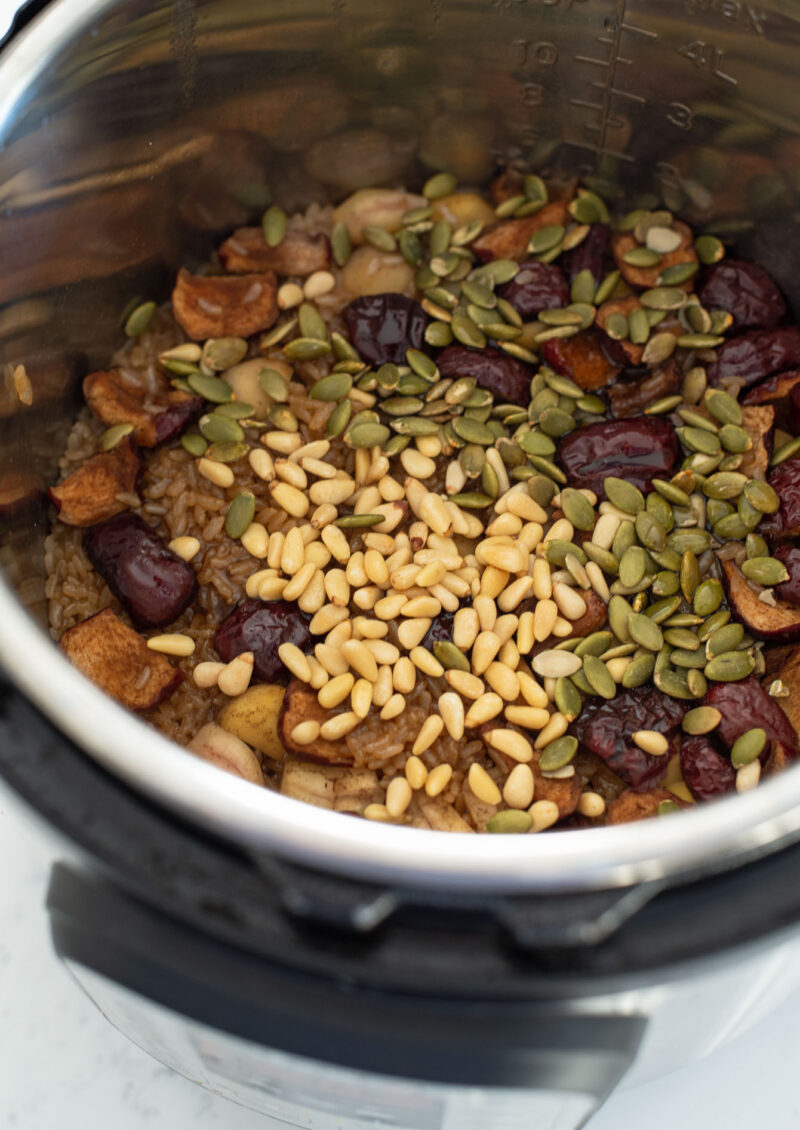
[558,753]
[359,521]
[676,274]
[729,667]
[659,348]
[701,720]
[396,444]
[735,439]
[663,609]
[709,249]
[765,571]
[235,410]
[311,323]
[665,404]
[511,821]
[689,574]
[534,188]
[220,429]
[306,349]
[756,546]
[283,418]
[667,807]
[139,319]
[663,298]
[595,644]
[471,500]
[674,683]
[499,271]
[556,550]
[112,436]
[341,246]
[712,623]
[188,352]
[194,444]
[697,541]
[221,353]
[638,327]
[583,287]
[278,333]
[641,257]
[697,683]
[567,698]
[473,431]
[707,597]
[694,385]
[210,388]
[645,632]
[472,459]
[273,225]
[650,532]
[331,388]
[547,468]
[181,368]
[592,404]
[785,451]
[632,566]
[722,406]
[623,539]
[682,638]
[699,341]
[619,612]
[730,528]
[438,334]
[379,238]
[546,238]
[699,439]
[616,326]
[577,509]
[339,419]
[639,671]
[467,232]
[624,495]
[762,496]
[606,288]
[602,557]
[465,331]
[671,493]
[727,638]
[555,422]
[686,658]
[240,514]
[665,584]
[368,435]
[450,657]
[725,485]
[274,385]
[748,747]
[439,185]
[599,678]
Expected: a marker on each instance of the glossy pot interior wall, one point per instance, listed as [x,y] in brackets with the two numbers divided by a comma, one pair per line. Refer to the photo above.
[145,129]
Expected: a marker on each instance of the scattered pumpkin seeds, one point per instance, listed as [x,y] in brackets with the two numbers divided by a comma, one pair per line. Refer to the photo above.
[139,319]
[273,225]
[240,514]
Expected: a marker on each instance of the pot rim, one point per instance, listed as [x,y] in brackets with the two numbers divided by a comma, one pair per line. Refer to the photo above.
[715,836]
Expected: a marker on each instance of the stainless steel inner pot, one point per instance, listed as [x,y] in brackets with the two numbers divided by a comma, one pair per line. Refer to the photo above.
[133,133]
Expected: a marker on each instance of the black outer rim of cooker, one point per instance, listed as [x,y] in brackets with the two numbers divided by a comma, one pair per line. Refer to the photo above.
[187,874]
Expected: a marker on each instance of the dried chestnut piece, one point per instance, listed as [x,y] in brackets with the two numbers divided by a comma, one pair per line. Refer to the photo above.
[383,326]
[582,358]
[261,628]
[746,704]
[756,354]
[505,376]
[151,582]
[706,772]
[636,450]
[536,287]
[298,253]
[785,480]
[746,291]
[605,728]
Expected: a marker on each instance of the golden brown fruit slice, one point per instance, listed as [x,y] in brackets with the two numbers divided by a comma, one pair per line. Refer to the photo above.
[631,806]
[298,253]
[623,242]
[790,677]
[510,238]
[225,306]
[563,791]
[582,358]
[114,403]
[758,421]
[119,662]
[220,748]
[630,398]
[91,493]
[300,705]
[253,717]
[624,306]
[779,623]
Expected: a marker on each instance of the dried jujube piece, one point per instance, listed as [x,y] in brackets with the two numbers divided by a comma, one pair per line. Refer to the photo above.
[590,254]
[298,253]
[746,704]
[744,290]
[151,582]
[504,376]
[789,591]
[755,355]
[605,728]
[261,627]
[536,287]
[629,397]
[707,773]
[785,481]
[382,327]
[635,450]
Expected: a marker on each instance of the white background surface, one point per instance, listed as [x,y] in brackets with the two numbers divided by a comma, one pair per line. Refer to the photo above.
[63,1067]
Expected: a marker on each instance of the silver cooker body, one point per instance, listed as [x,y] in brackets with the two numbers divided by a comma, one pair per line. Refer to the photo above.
[132,132]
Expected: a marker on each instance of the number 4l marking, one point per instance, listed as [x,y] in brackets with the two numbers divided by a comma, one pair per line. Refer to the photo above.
[707,57]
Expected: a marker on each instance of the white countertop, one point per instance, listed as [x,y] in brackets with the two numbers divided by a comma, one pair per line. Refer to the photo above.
[65,1067]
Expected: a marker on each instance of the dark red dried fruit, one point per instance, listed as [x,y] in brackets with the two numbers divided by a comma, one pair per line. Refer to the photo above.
[175,418]
[746,291]
[584,358]
[504,376]
[793,412]
[746,704]
[789,590]
[441,630]
[755,355]
[151,582]
[605,728]
[785,480]
[706,772]
[635,450]
[261,628]
[383,326]
[590,254]
[536,287]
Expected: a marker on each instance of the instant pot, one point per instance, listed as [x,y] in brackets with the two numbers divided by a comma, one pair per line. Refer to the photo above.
[328,971]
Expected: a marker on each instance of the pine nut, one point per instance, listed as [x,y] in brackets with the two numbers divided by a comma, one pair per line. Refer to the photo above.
[220,474]
[545,615]
[378,813]
[186,547]
[393,707]
[562,628]
[429,445]
[570,602]
[598,581]
[510,558]
[605,530]
[455,478]
[503,681]
[393,514]
[319,676]
[292,473]
[483,709]
[482,785]
[651,741]
[429,731]
[368,499]
[416,464]
[312,598]
[289,498]
[337,588]
[316,449]
[283,442]
[438,779]
[426,662]
[431,574]
[531,691]
[512,596]
[451,709]
[368,629]
[748,776]
[275,550]
[509,655]
[383,650]
[465,628]
[404,675]
[289,295]
[172,643]
[255,540]
[435,514]
[360,659]
[334,692]
[299,582]
[271,588]
[317,467]
[525,634]
[544,814]
[467,684]
[421,606]
[234,679]
[206,674]
[504,525]
[511,743]
[531,717]
[505,626]
[336,542]
[384,543]
[591,805]
[328,617]
[412,632]
[339,633]
[555,728]
[389,488]
[561,530]
[332,491]
[484,650]
[331,659]
[375,567]
[304,733]
[362,461]
[293,552]
[382,690]
[520,503]
[338,726]
[416,772]
[361,698]
[519,787]
[542,579]
[398,797]
[292,658]
[495,461]
[487,612]
[317,284]
[493,581]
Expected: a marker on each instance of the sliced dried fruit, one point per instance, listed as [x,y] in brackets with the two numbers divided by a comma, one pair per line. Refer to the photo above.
[759,423]
[509,239]
[755,355]
[789,591]
[630,805]
[785,481]
[225,306]
[298,253]
[630,395]
[261,627]
[220,748]
[582,358]
[745,291]
[635,450]
[590,254]
[383,327]
[746,704]
[622,243]
[706,772]
[536,287]
[253,717]
[779,623]
[92,492]
[119,662]
[504,376]
[562,791]
[300,704]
